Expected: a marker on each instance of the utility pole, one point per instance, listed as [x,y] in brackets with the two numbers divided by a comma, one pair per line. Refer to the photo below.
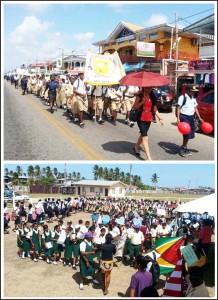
[177,53]
[130,174]
[49,58]
[65,175]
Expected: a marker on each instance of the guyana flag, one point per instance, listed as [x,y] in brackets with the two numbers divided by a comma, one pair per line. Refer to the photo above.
[169,248]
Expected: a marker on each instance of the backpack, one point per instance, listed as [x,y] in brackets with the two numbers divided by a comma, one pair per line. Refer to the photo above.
[34,215]
[183,103]
[155,269]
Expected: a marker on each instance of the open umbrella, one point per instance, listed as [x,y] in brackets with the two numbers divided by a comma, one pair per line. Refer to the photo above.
[144,79]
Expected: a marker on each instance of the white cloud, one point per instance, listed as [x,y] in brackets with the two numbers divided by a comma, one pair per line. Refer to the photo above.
[155,19]
[118,8]
[87,36]
[28,42]
[36,8]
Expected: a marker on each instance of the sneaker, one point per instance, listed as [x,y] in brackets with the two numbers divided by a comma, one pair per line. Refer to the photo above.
[48,261]
[69,265]
[81,125]
[23,257]
[40,258]
[77,264]
[100,121]
[60,260]
[64,264]
[81,286]
[182,151]
[93,118]
[74,267]
[95,281]
[188,152]
[114,123]
[127,122]
[131,124]
[35,260]
[29,255]
[54,263]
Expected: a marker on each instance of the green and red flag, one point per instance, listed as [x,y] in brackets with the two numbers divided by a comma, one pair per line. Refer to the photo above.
[169,248]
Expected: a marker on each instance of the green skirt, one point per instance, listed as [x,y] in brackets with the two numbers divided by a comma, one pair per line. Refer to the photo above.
[84,271]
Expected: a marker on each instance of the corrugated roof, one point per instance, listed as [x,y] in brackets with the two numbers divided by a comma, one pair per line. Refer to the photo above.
[98,182]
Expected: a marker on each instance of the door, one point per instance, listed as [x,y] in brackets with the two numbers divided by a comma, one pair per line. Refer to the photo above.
[78,190]
[106,192]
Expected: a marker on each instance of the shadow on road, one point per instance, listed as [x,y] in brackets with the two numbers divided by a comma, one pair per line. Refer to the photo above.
[120,147]
[172,148]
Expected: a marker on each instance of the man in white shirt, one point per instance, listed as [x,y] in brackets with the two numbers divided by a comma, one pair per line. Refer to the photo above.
[80,101]
[136,239]
[116,96]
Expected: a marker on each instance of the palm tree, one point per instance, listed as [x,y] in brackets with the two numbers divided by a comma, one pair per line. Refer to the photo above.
[154,179]
[78,176]
[105,173]
[74,175]
[19,170]
[100,172]
[11,173]
[30,171]
[96,172]
[6,172]
[37,171]
[55,172]
[117,173]
[43,171]
[111,174]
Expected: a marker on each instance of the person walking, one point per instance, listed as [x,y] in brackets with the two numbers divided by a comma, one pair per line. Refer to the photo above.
[52,85]
[147,104]
[186,110]
[87,253]
[108,250]
[24,82]
[129,95]
[136,239]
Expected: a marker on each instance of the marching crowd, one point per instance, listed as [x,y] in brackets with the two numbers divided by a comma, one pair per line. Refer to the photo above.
[120,229]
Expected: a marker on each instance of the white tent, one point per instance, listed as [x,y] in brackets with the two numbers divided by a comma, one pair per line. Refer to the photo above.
[201,205]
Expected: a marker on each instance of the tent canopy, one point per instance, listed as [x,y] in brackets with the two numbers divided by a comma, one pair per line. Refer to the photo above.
[201,205]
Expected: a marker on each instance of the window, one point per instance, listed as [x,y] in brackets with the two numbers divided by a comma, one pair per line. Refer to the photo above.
[132,41]
[142,37]
[153,35]
[119,52]
[209,99]
[84,189]
[92,189]
[113,191]
[20,188]
[167,34]
[113,44]
[121,191]
[101,190]
[77,64]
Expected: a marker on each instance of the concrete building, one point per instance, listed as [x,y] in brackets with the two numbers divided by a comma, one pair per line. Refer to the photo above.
[100,188]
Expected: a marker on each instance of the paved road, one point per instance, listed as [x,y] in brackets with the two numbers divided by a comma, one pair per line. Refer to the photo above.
[32,133]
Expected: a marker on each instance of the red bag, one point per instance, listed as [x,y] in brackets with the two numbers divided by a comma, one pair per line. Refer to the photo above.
[34,215]
[7,216]
[13,216]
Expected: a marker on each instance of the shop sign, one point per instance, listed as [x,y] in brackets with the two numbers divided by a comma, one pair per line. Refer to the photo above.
[201,65]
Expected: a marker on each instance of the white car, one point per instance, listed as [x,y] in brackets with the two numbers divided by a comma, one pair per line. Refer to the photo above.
[18,197]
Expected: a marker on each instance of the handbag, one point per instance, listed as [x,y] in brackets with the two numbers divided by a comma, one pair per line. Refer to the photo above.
[135,115]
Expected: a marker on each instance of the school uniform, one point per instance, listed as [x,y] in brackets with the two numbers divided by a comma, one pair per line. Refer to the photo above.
[26,241]
[57,248]
[68,248]
[35,239]
[86,246]
[19,233]
[47,237]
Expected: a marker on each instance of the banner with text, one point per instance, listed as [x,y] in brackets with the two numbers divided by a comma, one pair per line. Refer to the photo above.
[103,69]
[145,49]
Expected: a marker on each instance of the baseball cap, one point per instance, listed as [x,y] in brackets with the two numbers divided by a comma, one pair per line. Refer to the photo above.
[88,234]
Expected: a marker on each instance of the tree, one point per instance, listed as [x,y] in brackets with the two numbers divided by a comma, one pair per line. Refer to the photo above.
[19,170]
[96,172]
[6,172]
[105,173]
[78,176]
[111,174]
[30,171]
[37,171]
[55,172]
[74,175]
[117,173]
[154,179]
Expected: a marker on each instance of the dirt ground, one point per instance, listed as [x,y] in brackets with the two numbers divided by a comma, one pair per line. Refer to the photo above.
[24,278]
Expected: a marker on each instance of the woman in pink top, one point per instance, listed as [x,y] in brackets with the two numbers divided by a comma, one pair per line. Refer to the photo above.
[205,236]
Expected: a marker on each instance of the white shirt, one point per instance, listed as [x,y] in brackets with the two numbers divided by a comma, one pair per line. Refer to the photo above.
[99,239]
[82,246]
[150,254]
[97,91]
[130,90]
[189,107]
[80,87]
[136,238]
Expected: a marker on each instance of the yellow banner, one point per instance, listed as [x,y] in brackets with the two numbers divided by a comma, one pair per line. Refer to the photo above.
[103,69]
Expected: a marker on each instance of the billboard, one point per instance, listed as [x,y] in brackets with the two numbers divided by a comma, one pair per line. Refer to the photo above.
[201,65]
[145,49]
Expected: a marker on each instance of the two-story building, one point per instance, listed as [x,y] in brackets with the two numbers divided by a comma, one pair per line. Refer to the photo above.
[125,38]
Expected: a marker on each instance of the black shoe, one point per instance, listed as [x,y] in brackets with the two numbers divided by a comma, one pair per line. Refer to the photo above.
[182,151]
[51,110]
[100,121]
[81,125]
[136,153]
[131,124]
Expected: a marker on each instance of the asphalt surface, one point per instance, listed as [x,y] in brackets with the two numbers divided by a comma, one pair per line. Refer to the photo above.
[31,132]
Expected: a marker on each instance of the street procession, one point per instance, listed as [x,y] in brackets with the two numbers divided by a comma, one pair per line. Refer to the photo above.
[109,149]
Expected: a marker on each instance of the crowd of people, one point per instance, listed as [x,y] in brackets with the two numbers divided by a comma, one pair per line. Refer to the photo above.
[121,229]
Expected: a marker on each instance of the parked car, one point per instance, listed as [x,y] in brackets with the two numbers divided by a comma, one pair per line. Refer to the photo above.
[164,98]
[206,109]
[18,197]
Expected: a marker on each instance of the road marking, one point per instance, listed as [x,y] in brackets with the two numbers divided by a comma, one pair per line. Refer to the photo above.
[90,153]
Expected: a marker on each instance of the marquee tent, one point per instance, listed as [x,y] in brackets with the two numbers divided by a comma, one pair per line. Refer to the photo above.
[205,204]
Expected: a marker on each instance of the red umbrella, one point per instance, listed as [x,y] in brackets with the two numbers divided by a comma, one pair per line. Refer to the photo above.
[144,79]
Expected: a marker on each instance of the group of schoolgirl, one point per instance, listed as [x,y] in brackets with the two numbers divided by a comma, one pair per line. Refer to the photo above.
[39,241]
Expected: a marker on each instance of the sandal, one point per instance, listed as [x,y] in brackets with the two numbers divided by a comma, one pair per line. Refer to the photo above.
[136,153]
[106,292]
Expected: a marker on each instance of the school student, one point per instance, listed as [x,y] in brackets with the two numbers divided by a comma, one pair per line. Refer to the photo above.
[19,233]
[26,240]
[68,247]
[57,248]
[46,240]
[35,241]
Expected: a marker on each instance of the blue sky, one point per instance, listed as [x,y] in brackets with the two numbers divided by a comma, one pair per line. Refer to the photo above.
[35,30]
[170,175]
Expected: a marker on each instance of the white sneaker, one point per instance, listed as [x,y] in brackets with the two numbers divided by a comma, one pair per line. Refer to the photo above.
[81,286]
[35,260]
[23,257]
[28,255]
[69,265]
[65,106]
[40,258]
[54,263]
[60,260]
